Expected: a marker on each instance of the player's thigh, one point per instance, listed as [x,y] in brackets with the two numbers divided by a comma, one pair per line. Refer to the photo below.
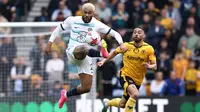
[86,80]
[71,58]
[129,86]
[85,72]
[80,52]
[85,66]
[132,91]
[124,84]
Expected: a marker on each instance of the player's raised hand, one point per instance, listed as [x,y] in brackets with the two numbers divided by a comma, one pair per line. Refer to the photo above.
[123,47]
[48,48]
[101,63]
[146,65]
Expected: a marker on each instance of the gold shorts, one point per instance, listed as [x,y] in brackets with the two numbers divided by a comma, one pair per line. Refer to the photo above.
[125,81]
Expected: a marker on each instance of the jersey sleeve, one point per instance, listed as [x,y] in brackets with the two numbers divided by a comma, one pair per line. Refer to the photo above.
[63,26]
[118,50]
[152,56]
[102,28]
[66,23]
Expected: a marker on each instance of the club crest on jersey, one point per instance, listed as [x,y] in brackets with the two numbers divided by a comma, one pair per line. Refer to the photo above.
[82,36]
[143,51]
[136,50]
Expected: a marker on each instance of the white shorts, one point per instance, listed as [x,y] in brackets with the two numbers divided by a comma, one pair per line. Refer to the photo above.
[83,66]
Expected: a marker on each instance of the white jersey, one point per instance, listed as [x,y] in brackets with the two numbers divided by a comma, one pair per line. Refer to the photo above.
[79,29]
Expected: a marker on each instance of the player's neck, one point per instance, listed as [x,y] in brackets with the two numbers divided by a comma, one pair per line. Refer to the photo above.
[138,44]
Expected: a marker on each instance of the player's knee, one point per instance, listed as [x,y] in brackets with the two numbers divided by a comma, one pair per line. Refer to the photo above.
[80,52]
[79,56]
[134,95]
[133,91]
[87,89]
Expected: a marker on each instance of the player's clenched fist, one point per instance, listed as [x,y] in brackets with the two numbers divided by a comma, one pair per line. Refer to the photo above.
[123,47]
[150,66]
[101,63]
[48,48]
[145,64]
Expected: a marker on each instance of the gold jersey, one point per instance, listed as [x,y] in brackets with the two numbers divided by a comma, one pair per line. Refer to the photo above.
[133,59]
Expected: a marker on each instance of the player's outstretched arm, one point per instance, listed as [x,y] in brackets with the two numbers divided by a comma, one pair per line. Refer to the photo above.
[54,34]
[152,60]
[108,31]
[61,27]
[118,37]
[111,56]
[152,65]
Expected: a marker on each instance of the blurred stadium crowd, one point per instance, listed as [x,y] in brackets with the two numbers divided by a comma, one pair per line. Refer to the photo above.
[172,27]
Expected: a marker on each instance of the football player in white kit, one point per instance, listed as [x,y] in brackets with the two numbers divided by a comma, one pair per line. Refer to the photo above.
[77,52]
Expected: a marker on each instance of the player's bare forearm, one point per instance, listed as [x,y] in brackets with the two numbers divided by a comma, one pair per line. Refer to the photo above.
[48,47]
[111,56]
[153,66]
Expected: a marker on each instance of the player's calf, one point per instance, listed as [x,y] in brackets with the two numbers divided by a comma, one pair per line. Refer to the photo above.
[86,83]
[133,93]
[85,89]
[78,90]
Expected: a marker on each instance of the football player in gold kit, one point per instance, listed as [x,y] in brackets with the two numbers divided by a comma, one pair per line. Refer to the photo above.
[137,59]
